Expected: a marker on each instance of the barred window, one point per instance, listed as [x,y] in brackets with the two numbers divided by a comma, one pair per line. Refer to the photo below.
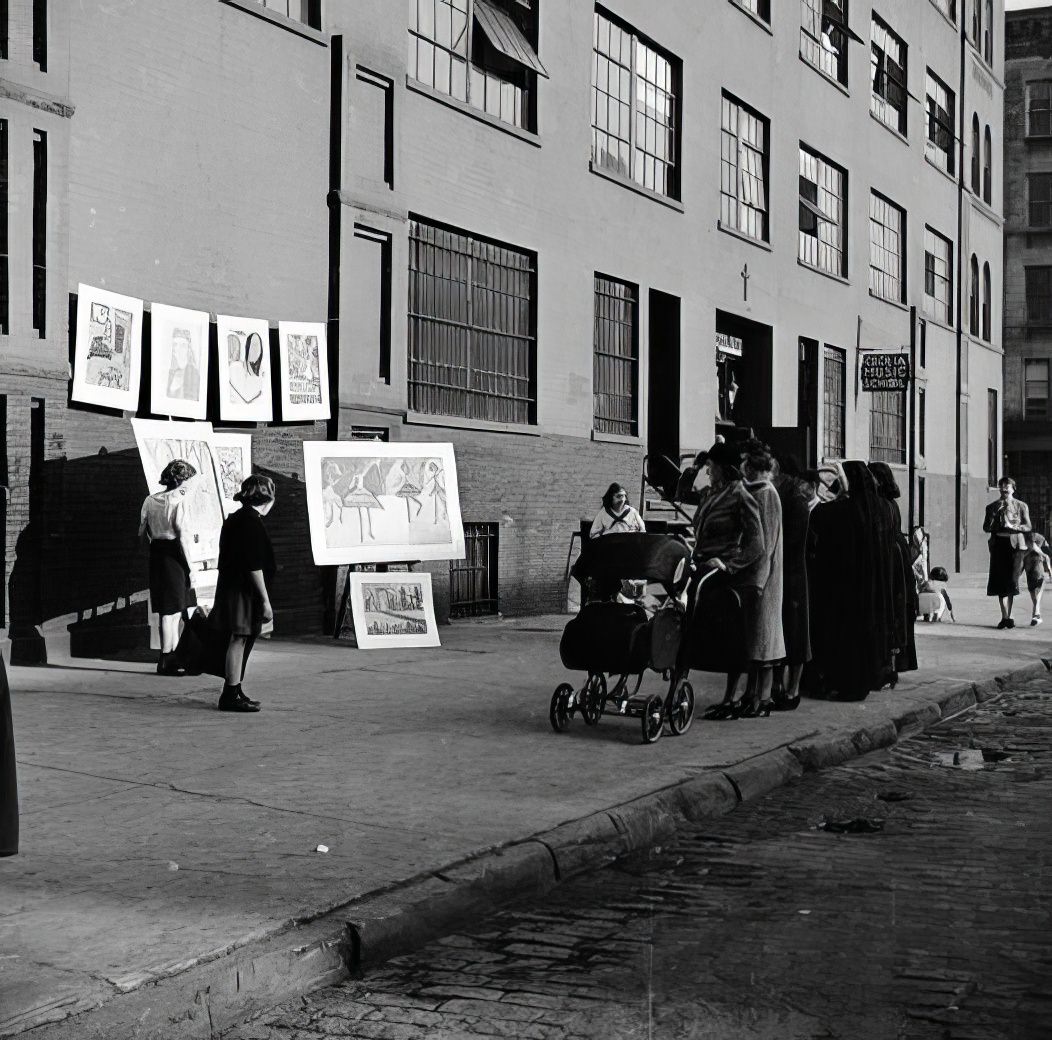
[887,242]
[1039,295]
[615,364]
[1035,392]
[834,402]
[1039,109]
[472,326]
[473,580]
[1039,195]
[824,36]
[888,75]
[481,52]
[938,122]
[744,161]
[887,426]
[823,199]
[760,8]
[938,276]
[635,107]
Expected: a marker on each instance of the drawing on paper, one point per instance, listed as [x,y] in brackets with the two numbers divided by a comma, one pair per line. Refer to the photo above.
[179,354]
[393,610]
[233,455]
[373,502]
[106,365]
[109,355]
[304,370]
[184,368]
[244,369]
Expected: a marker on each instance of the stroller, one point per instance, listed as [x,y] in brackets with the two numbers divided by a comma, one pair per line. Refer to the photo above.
[624,639]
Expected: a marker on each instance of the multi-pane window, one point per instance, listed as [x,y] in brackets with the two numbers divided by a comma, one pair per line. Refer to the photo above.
[976,180]
[1035,388]
[992,454]
[824,36]
[743,169]
[988,32]
[888,77]
[472,326]
[1039,295]
[635,107]
[834,402]
[887,244]
[987,302]
[40,232]
[887,426]
[306,11]
[988,167]
[823,213]
[1039,109]
[938,122]
[615,359]
[5,299]
[1039,197]
[481,52]
[938,276]
[760,8]
[973,295]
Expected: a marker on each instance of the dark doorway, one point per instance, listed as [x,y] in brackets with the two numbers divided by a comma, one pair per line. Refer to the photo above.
[663,390]
[748,375]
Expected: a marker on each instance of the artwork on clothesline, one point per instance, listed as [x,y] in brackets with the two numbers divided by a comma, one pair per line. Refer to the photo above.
[161,442]
[304,370]
[233,455]
[370,502]
[244,369]
[179,362]
[393,610]
[107,360]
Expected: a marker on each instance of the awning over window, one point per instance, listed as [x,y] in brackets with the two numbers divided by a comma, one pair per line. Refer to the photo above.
[506,37]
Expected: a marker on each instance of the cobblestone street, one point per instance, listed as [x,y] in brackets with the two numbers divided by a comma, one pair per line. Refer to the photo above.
[902,897]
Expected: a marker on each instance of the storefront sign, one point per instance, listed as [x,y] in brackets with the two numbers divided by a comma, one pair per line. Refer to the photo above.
[728,344]
[885,372]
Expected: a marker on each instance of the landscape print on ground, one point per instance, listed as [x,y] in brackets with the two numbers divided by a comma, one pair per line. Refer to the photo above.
[394,610]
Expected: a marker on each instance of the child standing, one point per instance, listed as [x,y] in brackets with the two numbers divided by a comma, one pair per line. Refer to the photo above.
[1037,567]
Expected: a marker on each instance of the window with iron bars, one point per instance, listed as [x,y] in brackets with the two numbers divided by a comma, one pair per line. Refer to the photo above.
[823,209]
[888,70]
[887,238]
[939,108]
[1039,109]
[743,169]
[473,580]
[635,107]
[938,276]
[615,364]
[1039,198]
[1039,295]
[472,326]
[824,36]
[1035,389]
[834,402]
[887,426]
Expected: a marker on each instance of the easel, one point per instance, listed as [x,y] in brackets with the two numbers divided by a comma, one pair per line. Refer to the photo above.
[345,596]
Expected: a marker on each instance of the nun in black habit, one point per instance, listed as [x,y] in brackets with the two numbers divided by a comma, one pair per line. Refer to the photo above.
[850,573]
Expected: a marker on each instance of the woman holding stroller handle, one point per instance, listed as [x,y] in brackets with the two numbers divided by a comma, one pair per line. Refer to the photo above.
[162,523]
[1007,522]
[242,604]
[616,516]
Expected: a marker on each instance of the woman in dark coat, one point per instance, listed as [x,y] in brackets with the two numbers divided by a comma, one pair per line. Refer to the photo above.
[1007,521]
[8,778]
[242,604]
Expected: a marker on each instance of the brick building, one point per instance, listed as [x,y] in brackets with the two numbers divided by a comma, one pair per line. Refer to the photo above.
[558,235]
[1028,257]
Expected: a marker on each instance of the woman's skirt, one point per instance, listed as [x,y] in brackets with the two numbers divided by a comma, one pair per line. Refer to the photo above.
[170,591]
[1006,564]
[238,608]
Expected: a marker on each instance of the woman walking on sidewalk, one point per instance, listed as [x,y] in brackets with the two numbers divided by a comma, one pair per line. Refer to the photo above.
[1007,522]
[242,604]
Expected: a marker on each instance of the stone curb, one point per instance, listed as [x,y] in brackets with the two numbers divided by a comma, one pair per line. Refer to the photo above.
[200,1000]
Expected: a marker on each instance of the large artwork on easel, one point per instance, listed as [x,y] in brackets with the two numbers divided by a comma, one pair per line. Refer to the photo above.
[370,502]
[107,364]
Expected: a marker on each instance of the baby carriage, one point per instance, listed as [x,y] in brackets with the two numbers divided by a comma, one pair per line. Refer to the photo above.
[612,638]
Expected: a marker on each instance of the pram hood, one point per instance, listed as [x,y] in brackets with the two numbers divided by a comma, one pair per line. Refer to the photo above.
[656,557]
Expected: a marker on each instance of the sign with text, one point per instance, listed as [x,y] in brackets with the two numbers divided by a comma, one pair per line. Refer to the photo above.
[726,344]
[885,372]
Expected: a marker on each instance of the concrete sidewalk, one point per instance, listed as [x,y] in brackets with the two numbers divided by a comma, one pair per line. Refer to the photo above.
[169,882]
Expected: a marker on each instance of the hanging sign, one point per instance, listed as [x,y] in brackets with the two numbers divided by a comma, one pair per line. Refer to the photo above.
[885,372]
[728,344]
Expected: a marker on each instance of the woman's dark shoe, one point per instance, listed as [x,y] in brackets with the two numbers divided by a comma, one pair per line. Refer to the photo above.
[241,696]
[782,702]
[754,709]
[720,712]
[168,665]
[1003,623]
[232,699]
[1009,623]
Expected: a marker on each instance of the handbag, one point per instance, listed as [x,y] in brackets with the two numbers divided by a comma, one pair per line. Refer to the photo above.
[202,647]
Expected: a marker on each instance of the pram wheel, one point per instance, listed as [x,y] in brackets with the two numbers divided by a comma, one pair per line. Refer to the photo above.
[679,707]
[593,699]
[653,719]
[561,708]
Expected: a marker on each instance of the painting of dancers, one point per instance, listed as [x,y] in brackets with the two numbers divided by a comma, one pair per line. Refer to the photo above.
[244,369]
[303,370]
[370,502]
[179,361]
[107,365]
[393,610]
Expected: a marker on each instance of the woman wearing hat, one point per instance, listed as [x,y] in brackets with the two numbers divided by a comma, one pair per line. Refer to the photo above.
[242,603]
[162,523]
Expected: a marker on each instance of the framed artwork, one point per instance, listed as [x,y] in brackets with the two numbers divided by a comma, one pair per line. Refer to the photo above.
[161,442]
[233,455]
[179,362]
[108,356]
[244,369]
[393,610]
[303,370]
[370,502]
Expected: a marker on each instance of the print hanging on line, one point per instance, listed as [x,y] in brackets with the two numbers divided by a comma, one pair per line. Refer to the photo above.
[107,360]
[161,442]
[179,361]
[393,610]
[370,502]
[304,370]
[244,369]
[233,455]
